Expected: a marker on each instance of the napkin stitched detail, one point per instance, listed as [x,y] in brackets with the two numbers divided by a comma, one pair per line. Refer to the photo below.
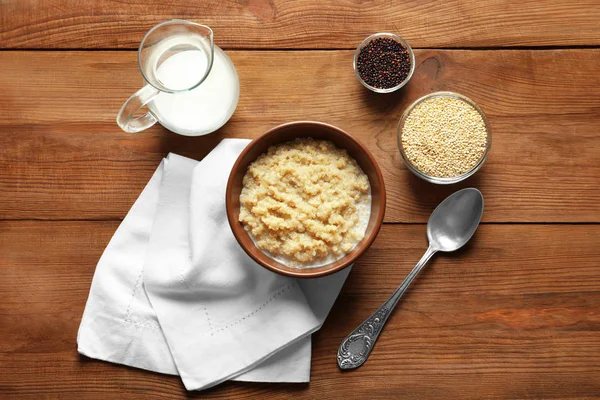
[210,327]
[128,319]
[250,314]
[135,286]
[148,325]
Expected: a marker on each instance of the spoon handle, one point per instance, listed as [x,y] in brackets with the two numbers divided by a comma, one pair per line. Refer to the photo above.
[357,346]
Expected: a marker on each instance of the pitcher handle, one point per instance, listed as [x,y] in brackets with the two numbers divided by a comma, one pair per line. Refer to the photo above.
[138,100]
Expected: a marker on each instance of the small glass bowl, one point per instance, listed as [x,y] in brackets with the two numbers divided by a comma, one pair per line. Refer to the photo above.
[397,38]
[437,179]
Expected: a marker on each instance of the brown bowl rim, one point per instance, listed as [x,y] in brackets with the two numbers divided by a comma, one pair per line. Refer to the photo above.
[337,265]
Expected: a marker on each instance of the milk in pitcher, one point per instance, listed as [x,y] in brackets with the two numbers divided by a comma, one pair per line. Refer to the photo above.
[204,108]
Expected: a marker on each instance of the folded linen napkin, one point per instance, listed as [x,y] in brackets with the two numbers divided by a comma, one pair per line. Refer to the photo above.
[174,293]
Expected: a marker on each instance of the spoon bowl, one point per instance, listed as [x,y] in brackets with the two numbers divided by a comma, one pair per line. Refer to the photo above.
[455,220]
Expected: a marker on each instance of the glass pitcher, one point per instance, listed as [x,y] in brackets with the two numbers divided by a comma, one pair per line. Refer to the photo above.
[191,86]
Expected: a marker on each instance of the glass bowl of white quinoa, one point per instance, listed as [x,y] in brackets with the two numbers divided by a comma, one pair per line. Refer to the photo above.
[444,137]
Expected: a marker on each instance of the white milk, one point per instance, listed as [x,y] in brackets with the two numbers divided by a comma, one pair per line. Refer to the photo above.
[201,110]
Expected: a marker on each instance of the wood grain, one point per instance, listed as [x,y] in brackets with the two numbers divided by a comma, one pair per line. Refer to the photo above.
[303,23]
[63,156]
[513,315]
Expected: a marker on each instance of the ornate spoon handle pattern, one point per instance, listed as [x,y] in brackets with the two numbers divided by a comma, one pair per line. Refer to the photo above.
[357,346]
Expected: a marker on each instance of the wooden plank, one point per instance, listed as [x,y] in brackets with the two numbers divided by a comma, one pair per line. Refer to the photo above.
[303,23]
[63,156]
[513,315]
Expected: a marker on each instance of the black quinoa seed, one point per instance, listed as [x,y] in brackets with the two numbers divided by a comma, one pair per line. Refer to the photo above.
[383,63]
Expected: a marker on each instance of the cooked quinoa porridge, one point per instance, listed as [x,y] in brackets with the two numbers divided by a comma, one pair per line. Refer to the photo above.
[305,202]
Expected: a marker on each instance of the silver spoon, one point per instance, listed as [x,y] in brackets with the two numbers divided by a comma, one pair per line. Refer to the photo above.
[450,227]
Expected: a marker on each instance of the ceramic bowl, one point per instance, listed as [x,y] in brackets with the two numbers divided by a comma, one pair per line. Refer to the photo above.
[285,133]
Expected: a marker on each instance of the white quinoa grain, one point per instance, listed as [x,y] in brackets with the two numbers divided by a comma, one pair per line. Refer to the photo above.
[444,137]
[304,202]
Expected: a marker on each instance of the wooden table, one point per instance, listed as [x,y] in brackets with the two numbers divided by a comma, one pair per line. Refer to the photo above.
[516,314]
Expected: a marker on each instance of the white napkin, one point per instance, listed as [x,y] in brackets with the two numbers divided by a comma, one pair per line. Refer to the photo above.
[174,293]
